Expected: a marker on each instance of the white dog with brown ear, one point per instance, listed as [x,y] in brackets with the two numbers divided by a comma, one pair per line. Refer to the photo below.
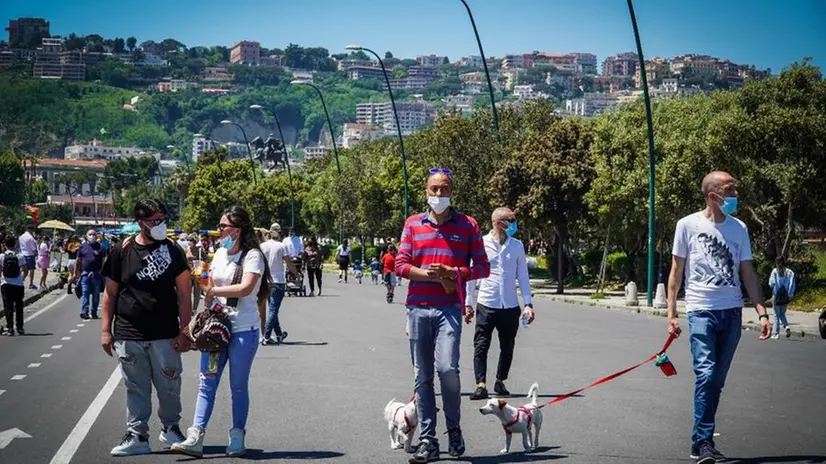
[402,420]
[518,419]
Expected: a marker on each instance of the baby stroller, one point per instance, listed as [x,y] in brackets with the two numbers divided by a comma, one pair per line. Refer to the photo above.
[295,282]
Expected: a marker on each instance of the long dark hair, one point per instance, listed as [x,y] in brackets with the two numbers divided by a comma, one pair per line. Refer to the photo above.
[248,240]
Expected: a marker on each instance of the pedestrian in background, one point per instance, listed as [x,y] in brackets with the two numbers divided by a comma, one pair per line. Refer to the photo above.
[783,285]
[12,285]
[343,258]
[28,248]
[295,246]
[43,260]
[275,251]
[313,264]
[712,251]
[389,271]
[88,275]
[498,308]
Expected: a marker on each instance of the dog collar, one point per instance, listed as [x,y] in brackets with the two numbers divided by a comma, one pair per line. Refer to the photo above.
[410,427]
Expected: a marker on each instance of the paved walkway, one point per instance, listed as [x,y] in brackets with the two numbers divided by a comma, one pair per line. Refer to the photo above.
[320,396]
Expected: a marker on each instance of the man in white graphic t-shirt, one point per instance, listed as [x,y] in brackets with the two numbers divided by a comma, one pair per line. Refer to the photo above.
[712,251]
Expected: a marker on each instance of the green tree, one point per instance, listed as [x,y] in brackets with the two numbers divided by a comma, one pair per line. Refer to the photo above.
[40,191]
[131,42]
[216,187]
[13,180]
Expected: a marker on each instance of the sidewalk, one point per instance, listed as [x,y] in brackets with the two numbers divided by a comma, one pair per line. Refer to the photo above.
[802,324]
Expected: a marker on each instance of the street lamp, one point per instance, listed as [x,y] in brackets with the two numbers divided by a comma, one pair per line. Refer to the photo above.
[398,123]
[335,150]
[651,158]
[286,158]
[487,73]
[247,143]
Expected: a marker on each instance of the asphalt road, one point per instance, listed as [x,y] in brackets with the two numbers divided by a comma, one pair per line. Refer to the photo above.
[320,396]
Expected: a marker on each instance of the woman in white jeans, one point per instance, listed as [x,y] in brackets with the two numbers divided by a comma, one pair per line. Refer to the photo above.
[237,240]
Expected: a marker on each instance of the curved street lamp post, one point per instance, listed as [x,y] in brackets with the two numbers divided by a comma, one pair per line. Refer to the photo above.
[247,143]
[651,157]
[398,123]
[286,158]
[487,73]
[335,150]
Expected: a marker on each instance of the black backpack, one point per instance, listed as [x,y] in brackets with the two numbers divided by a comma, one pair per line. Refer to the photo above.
[11,266]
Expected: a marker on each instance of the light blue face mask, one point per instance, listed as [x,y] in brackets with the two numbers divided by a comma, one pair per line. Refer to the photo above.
[227,242]
[512,229]
[729,205]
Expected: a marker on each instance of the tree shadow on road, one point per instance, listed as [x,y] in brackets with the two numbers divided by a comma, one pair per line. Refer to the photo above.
[29,334]
[810,459]
[536,456]
[219,452]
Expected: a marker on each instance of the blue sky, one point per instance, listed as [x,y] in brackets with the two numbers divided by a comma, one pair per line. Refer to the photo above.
[766,33]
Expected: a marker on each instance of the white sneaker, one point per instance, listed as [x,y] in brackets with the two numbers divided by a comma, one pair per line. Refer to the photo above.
[788,332]
[132,445]
[236,443]
[775,336]
[193,445]
[171,435]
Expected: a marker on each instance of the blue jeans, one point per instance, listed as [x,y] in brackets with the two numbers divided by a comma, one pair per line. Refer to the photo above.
[90,284]
[240,354]
[780,317]
[276,297]
[435,335]
[713,336]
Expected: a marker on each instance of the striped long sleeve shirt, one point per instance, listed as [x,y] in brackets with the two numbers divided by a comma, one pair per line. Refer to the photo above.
[456,243]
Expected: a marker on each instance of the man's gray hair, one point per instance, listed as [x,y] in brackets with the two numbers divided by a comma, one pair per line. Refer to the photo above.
[499,213]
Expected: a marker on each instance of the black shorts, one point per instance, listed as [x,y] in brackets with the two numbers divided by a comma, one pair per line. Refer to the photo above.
[343,263]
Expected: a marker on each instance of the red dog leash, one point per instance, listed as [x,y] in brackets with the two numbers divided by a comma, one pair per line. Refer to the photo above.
[662,361]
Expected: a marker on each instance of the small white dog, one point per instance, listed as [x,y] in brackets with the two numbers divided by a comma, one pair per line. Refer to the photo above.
[402,420]
[518,419]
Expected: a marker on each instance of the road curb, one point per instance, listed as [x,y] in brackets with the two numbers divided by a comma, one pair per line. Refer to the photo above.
[802,332]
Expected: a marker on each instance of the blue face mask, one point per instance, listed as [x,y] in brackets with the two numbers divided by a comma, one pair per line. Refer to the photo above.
[227,242]
[729,205]
[512,228]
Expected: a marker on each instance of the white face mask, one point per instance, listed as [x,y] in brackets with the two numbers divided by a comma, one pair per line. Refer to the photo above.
[438,204]
[158,232]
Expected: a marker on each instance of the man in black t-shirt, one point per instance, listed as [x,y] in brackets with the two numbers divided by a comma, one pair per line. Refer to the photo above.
[146,306]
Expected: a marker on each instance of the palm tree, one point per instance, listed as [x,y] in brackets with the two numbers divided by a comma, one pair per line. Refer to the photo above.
[180,179]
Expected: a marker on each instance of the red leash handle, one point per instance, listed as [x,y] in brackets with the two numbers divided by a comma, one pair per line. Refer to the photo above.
[613,376]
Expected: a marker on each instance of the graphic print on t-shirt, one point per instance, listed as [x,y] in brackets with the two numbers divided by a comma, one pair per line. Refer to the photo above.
[718,268]
[156,263]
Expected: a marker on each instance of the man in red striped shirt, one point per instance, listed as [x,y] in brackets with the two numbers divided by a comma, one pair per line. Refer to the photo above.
[435,254]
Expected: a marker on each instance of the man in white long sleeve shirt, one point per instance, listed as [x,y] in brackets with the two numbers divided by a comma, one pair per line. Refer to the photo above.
[498,307]
[295,247]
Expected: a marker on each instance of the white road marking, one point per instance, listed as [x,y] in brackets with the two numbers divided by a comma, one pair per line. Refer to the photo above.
[2,391]
[81,325]
[74,331]
[33,365]
[46,355]
[18,377]
[66,338]
[7,436]
[57,347]
[69,447]
[48,307]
